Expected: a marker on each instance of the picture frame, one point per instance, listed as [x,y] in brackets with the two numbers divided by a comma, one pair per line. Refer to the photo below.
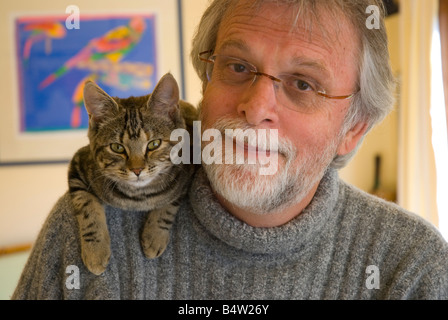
[125,47]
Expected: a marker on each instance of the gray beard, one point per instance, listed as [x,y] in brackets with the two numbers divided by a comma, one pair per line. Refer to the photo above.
[244,187]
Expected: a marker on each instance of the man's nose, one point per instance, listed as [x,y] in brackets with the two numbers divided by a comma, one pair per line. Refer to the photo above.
[259,103]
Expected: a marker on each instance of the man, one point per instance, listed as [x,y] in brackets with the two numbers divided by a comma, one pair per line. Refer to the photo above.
[315,76]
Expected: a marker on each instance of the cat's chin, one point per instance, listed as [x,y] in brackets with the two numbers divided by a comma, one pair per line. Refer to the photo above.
[139,183]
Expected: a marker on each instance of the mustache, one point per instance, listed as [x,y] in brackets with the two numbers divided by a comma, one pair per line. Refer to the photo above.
[254,138]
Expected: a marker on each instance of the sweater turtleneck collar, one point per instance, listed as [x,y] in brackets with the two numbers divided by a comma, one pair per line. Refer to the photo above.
[291,236]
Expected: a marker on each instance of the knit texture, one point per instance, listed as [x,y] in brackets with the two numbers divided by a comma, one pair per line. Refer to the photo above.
[324,253]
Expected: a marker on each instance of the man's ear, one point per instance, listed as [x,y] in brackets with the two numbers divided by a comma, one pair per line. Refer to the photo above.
[351,138]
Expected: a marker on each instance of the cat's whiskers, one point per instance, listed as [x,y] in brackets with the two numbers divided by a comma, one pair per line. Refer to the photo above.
[169,177]
[98,174]
[109,187]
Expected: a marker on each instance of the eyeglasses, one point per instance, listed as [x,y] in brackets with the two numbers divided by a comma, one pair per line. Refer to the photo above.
[296,92]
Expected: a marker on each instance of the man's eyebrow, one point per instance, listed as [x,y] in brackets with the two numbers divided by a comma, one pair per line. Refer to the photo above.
[299,61]
[310,63]
[235,44]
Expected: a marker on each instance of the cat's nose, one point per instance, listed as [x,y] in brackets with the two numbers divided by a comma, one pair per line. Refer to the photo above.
[137,171]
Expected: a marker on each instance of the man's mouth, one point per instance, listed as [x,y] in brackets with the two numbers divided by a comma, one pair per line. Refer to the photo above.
[251,148]
[250,145]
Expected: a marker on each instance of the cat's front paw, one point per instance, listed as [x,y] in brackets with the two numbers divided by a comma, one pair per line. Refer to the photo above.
[96,256]
[154,242]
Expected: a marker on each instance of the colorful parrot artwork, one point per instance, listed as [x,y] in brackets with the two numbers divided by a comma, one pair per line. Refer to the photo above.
[77,99]
[111,47]
[102,58]
[42,31]
[117,51]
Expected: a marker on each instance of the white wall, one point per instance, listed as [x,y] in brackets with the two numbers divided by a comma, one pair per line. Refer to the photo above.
[27,194]
[192,11]
[383,139]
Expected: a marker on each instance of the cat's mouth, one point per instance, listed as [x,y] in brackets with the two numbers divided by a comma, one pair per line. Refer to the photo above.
[132,179]
[139,181]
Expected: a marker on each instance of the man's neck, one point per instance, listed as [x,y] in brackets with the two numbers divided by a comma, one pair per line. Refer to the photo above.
[268,220]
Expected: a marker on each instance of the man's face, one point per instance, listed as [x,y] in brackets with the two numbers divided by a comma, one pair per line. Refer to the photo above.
[307,141]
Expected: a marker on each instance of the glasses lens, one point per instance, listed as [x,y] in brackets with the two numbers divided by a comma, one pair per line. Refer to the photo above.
[229,70]
[299,94]
[303,102]
[294,92]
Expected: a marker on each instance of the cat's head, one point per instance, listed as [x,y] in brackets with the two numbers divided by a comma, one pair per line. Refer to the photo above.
[130,138]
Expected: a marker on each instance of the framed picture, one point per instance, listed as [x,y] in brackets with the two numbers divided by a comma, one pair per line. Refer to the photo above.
[124,51]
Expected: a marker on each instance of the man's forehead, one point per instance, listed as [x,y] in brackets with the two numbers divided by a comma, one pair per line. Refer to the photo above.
[317,27]
[318,24]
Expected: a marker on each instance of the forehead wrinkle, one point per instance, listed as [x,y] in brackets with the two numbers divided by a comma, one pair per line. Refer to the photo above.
[234,43]
[316,64]
[288,20]
[258,22]
[231,37]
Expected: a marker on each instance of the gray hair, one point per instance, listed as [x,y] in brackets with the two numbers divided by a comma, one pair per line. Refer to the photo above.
[376,83]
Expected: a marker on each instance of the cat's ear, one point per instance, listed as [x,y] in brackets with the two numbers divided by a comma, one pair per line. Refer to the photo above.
[165,97]
[97,102]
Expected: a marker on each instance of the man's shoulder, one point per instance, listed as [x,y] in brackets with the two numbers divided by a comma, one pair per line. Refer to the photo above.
[410,252]
[62,211]
[381,216]
[60,225]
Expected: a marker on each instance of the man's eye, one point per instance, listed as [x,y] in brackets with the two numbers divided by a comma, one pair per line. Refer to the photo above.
[238,67]
[302,85]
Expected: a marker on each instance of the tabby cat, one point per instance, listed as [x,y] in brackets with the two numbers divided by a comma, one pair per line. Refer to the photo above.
[127,165]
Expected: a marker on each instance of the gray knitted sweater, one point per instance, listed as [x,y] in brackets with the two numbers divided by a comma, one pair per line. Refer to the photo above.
[345,245]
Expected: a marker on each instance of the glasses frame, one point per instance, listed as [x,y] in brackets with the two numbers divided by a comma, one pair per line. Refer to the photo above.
[257,73]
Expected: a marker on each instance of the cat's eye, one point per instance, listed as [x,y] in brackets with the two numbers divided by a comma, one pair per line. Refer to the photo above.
[118,148]
[153,145]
